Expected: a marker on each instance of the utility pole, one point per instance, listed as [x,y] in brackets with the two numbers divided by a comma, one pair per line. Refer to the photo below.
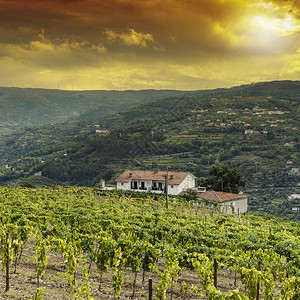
[222,184]
[166,187]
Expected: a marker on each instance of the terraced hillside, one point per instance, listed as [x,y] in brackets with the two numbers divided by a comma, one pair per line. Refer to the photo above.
[253,128]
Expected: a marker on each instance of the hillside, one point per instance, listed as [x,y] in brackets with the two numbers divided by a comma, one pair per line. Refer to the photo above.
[21,107]
[71,242]
[254,128]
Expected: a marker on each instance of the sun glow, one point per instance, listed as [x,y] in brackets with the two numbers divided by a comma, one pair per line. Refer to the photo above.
[132,44]
[283,26]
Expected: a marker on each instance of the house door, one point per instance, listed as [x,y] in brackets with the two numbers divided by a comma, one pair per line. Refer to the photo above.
[160,186]
[135,185]
[142,185]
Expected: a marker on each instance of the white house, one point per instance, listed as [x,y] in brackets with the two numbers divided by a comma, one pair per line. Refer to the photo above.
[155,181]
[228,201]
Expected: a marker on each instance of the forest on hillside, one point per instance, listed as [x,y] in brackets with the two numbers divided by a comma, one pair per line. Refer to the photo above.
[253,128]
[29,107]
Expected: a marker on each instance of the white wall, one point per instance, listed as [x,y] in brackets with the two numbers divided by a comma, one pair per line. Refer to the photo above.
[173,189]
[188,183]
[123,185]
[240,205]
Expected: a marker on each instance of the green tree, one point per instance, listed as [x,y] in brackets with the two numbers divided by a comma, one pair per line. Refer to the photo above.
[224,179]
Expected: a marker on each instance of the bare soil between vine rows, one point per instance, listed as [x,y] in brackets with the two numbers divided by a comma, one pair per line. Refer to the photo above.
[23,283]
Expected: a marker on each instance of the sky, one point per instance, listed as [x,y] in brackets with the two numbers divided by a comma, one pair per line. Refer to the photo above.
[147,44]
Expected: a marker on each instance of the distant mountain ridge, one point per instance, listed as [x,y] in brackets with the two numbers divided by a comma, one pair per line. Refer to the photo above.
[272,87]
[27,107]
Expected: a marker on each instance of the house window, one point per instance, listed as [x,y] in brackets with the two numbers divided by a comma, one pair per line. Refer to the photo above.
[171,186]
[121,183]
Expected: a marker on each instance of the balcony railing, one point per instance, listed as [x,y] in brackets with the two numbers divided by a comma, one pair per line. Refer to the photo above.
[147,188]
[157,189]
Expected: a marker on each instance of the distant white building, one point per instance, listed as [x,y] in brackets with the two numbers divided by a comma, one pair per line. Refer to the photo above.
[294,200]
[293,197]
[155,181]
[38,174]
[102,131]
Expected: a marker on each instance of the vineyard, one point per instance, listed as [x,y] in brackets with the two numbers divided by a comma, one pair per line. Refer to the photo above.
[72,243]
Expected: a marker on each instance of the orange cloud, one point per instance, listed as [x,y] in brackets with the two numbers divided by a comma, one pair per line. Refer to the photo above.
[58,54]
[129,38]
[160,43]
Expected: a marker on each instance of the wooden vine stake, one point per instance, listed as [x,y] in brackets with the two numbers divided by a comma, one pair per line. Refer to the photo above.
[150,288]
[287,269]
[7,263]
[258,285]
[257,291]
[215,273]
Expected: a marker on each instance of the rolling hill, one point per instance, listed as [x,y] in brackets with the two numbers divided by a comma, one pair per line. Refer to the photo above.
[254,128]
[21,107]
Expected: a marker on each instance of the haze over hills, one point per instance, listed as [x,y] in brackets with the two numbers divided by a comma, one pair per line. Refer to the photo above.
[20,107]
[254,128]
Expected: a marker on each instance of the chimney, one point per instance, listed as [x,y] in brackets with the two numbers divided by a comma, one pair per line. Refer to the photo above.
[156,171]
[102,183]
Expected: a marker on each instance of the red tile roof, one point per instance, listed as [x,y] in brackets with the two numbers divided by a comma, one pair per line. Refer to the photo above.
[220,196]
[174,177]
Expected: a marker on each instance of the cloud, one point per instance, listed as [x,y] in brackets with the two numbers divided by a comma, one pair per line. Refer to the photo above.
[57,54]
[130,38]
[160,43]
[66,46]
